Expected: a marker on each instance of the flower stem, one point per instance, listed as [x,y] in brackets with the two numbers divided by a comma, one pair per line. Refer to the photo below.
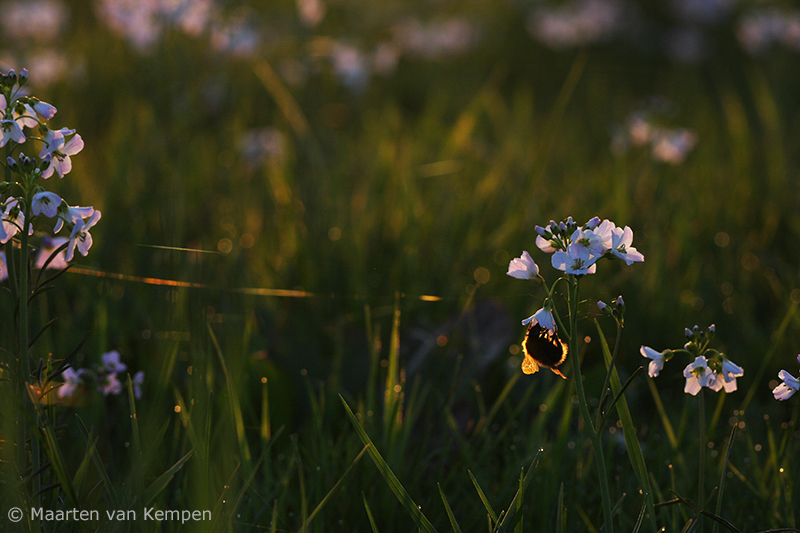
[702,459]
[596,440]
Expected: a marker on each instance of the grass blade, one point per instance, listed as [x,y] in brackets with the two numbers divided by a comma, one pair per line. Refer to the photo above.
[561,517]
[369,514]
[456,528]
[399,491]
[328,496]
[492,514]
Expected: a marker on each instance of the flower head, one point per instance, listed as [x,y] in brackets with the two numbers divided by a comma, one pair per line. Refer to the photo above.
[111,362]
[10,131]
[80,236]
[697,375]
[57,150]
[137,381]
[617,242]
[45,203]
[790,385]
[657,360]
[523,267]
[110,384]
[575,260]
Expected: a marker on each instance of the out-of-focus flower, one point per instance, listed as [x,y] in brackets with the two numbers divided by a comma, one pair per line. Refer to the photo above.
[235,36]
[50,245]
[80,236]
[311,12]
[437,39]
[790,385]
[264,144]
[137,380]
[656,360]
[351,66]
[761,29]
[39,20]
[57,150]
[672,146]
[111,362]
[523,267]
[72,380]
[45,203]
[110,384]
[577,23]
[3,266]
[575,260]
[697,375]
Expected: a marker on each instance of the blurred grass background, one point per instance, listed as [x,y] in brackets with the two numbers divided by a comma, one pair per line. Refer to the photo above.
[370,156]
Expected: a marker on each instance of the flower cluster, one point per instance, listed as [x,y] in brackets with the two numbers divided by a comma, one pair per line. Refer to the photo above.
[790,385]
[24,120]
[576,249]
[103,377]
[710,368]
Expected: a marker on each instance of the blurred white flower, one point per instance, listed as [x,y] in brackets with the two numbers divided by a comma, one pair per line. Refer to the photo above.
[523,267]
[436,39]
[790,385]
[577,23]
[311,12]
[351,66]
[50,245]
[672,146]
[137,380]
[111,362]
[110,384]
[39,20]
[72,380]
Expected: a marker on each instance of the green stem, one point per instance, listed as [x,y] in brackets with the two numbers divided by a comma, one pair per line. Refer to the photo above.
[597,444]
[604,390]
[702,459]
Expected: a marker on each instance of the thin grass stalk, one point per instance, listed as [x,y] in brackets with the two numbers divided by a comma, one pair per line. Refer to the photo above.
[596,441]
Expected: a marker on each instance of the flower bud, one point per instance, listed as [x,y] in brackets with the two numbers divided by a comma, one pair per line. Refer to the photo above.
[712,329]
[593,223]
[540,231]
[11,78]
[553,227]
[23,77]
[4,185]
[688,333]
[12,164]
[604,308]
[620,303]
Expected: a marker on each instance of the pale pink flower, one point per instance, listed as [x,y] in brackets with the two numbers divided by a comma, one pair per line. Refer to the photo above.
[523,267]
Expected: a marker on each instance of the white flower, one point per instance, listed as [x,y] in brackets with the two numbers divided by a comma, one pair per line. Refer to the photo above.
[543,317]
[80,236]
[45,203]
[575,260]
[111,362]
[57,149]
[617,241]
[72,379]
[790,385]
[523,267]
[657,360]
[10,131]
[697,375]
[545,245]
[588,239]
[50,245]
[71,215]
[727,376]
[13,220]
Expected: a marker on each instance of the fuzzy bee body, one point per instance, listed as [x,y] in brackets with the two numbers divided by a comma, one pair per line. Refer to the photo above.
[542,347]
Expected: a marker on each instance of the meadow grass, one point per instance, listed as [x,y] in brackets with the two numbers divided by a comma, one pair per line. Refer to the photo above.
[341,353]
